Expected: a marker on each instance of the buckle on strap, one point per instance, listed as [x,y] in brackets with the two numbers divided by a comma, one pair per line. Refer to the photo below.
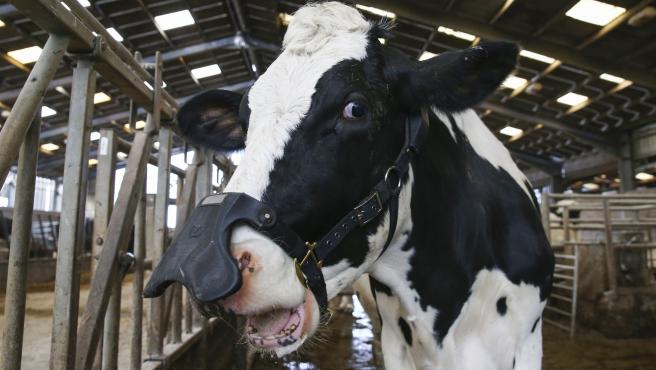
[368,209]
[299,265]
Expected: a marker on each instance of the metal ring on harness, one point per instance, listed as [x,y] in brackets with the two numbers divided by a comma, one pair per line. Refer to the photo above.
[395,172]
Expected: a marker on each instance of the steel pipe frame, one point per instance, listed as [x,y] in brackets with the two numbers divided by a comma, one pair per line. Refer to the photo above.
[156,331]
[137,282]
[21,237]
[104,202]
[118,234]
[119,228]
[14,130]
[67,287]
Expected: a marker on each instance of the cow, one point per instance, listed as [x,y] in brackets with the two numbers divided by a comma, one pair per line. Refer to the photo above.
[460,266]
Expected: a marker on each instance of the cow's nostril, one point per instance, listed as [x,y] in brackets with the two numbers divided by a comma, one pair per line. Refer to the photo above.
[245,261]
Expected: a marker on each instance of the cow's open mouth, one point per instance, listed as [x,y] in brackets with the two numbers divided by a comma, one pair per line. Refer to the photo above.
[277,328]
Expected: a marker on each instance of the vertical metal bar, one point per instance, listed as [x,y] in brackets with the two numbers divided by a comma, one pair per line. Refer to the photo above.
[137,282]
[64,321]
[21,235]
[104,202]
[567,248]
[575,288]
[156,326]
[23,111]
[545,211]
[105,174]
[610,251]
[203,187]
[118,236]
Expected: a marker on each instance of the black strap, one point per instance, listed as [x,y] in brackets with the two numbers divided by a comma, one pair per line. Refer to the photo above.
[384,195]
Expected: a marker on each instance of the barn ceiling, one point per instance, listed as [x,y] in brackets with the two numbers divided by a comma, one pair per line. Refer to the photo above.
[581,87]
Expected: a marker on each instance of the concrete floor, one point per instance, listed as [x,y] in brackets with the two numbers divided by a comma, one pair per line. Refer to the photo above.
[347,342]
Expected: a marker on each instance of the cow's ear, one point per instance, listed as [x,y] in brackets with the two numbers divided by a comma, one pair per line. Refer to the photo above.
[211,119]
[457,80]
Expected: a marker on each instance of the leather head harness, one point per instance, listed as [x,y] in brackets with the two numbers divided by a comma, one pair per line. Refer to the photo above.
[199,257]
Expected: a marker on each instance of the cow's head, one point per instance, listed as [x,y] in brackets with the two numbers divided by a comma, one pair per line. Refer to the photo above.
[319,128]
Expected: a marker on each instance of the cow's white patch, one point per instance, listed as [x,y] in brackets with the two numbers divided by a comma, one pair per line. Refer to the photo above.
[319,37]
[484,142]
[482,338]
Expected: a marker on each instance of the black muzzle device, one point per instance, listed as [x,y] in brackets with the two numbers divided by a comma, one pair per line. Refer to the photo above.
[199,256]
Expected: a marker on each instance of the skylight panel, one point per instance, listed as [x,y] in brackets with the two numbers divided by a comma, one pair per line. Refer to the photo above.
[595,12]
[174,20]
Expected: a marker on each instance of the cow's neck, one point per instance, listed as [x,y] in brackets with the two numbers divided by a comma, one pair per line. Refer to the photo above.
[450,210]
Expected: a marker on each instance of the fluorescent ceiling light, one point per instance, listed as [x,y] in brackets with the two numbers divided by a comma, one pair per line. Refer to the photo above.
[61,90]
[51,147]
[611,78]
[26,55]
[510,131]
[382,40]
[372,10]
[95,135]
[595,12]
[93,162]
[513,82]
[114,33]
[84,3]
[285,18]
[174,20]
[454,33]
[426,55]
[536,56]
[572,99]
[101,97]
[590,186]
[148,85]
[47,112]
[121,155]
[644,176]
[206,71]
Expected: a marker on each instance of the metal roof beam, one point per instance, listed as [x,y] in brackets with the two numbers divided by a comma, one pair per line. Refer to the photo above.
[543,164]
[599,141]
[238,41]
[484,30]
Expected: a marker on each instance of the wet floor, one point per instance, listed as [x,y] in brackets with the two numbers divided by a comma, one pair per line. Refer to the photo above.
[348,341]
[347,344]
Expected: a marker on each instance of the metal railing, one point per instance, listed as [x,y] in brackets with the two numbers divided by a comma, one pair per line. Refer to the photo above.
[620,225]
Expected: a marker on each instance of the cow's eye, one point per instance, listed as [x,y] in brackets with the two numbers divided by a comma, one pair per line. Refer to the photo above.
[354,110]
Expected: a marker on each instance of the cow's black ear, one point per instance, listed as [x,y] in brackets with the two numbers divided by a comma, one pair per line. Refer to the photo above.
[457,80]
[211,119]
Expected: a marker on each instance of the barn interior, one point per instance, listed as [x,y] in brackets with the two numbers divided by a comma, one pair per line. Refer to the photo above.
[578,116]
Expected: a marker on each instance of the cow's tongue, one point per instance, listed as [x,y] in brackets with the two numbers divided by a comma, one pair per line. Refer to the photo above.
[276,328]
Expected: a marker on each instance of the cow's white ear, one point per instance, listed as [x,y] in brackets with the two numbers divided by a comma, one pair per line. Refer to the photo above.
[457,80]
[211,119]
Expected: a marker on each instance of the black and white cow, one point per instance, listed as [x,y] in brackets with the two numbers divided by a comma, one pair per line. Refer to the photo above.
[466,276]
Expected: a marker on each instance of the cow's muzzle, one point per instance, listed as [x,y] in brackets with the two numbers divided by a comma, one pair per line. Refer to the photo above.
[199,257]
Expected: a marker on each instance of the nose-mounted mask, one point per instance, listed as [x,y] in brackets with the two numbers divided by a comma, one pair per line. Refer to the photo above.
[200,259]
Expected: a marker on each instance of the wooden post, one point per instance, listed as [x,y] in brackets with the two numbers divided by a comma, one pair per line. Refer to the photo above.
[67,285]
[156,324]
[21,238]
